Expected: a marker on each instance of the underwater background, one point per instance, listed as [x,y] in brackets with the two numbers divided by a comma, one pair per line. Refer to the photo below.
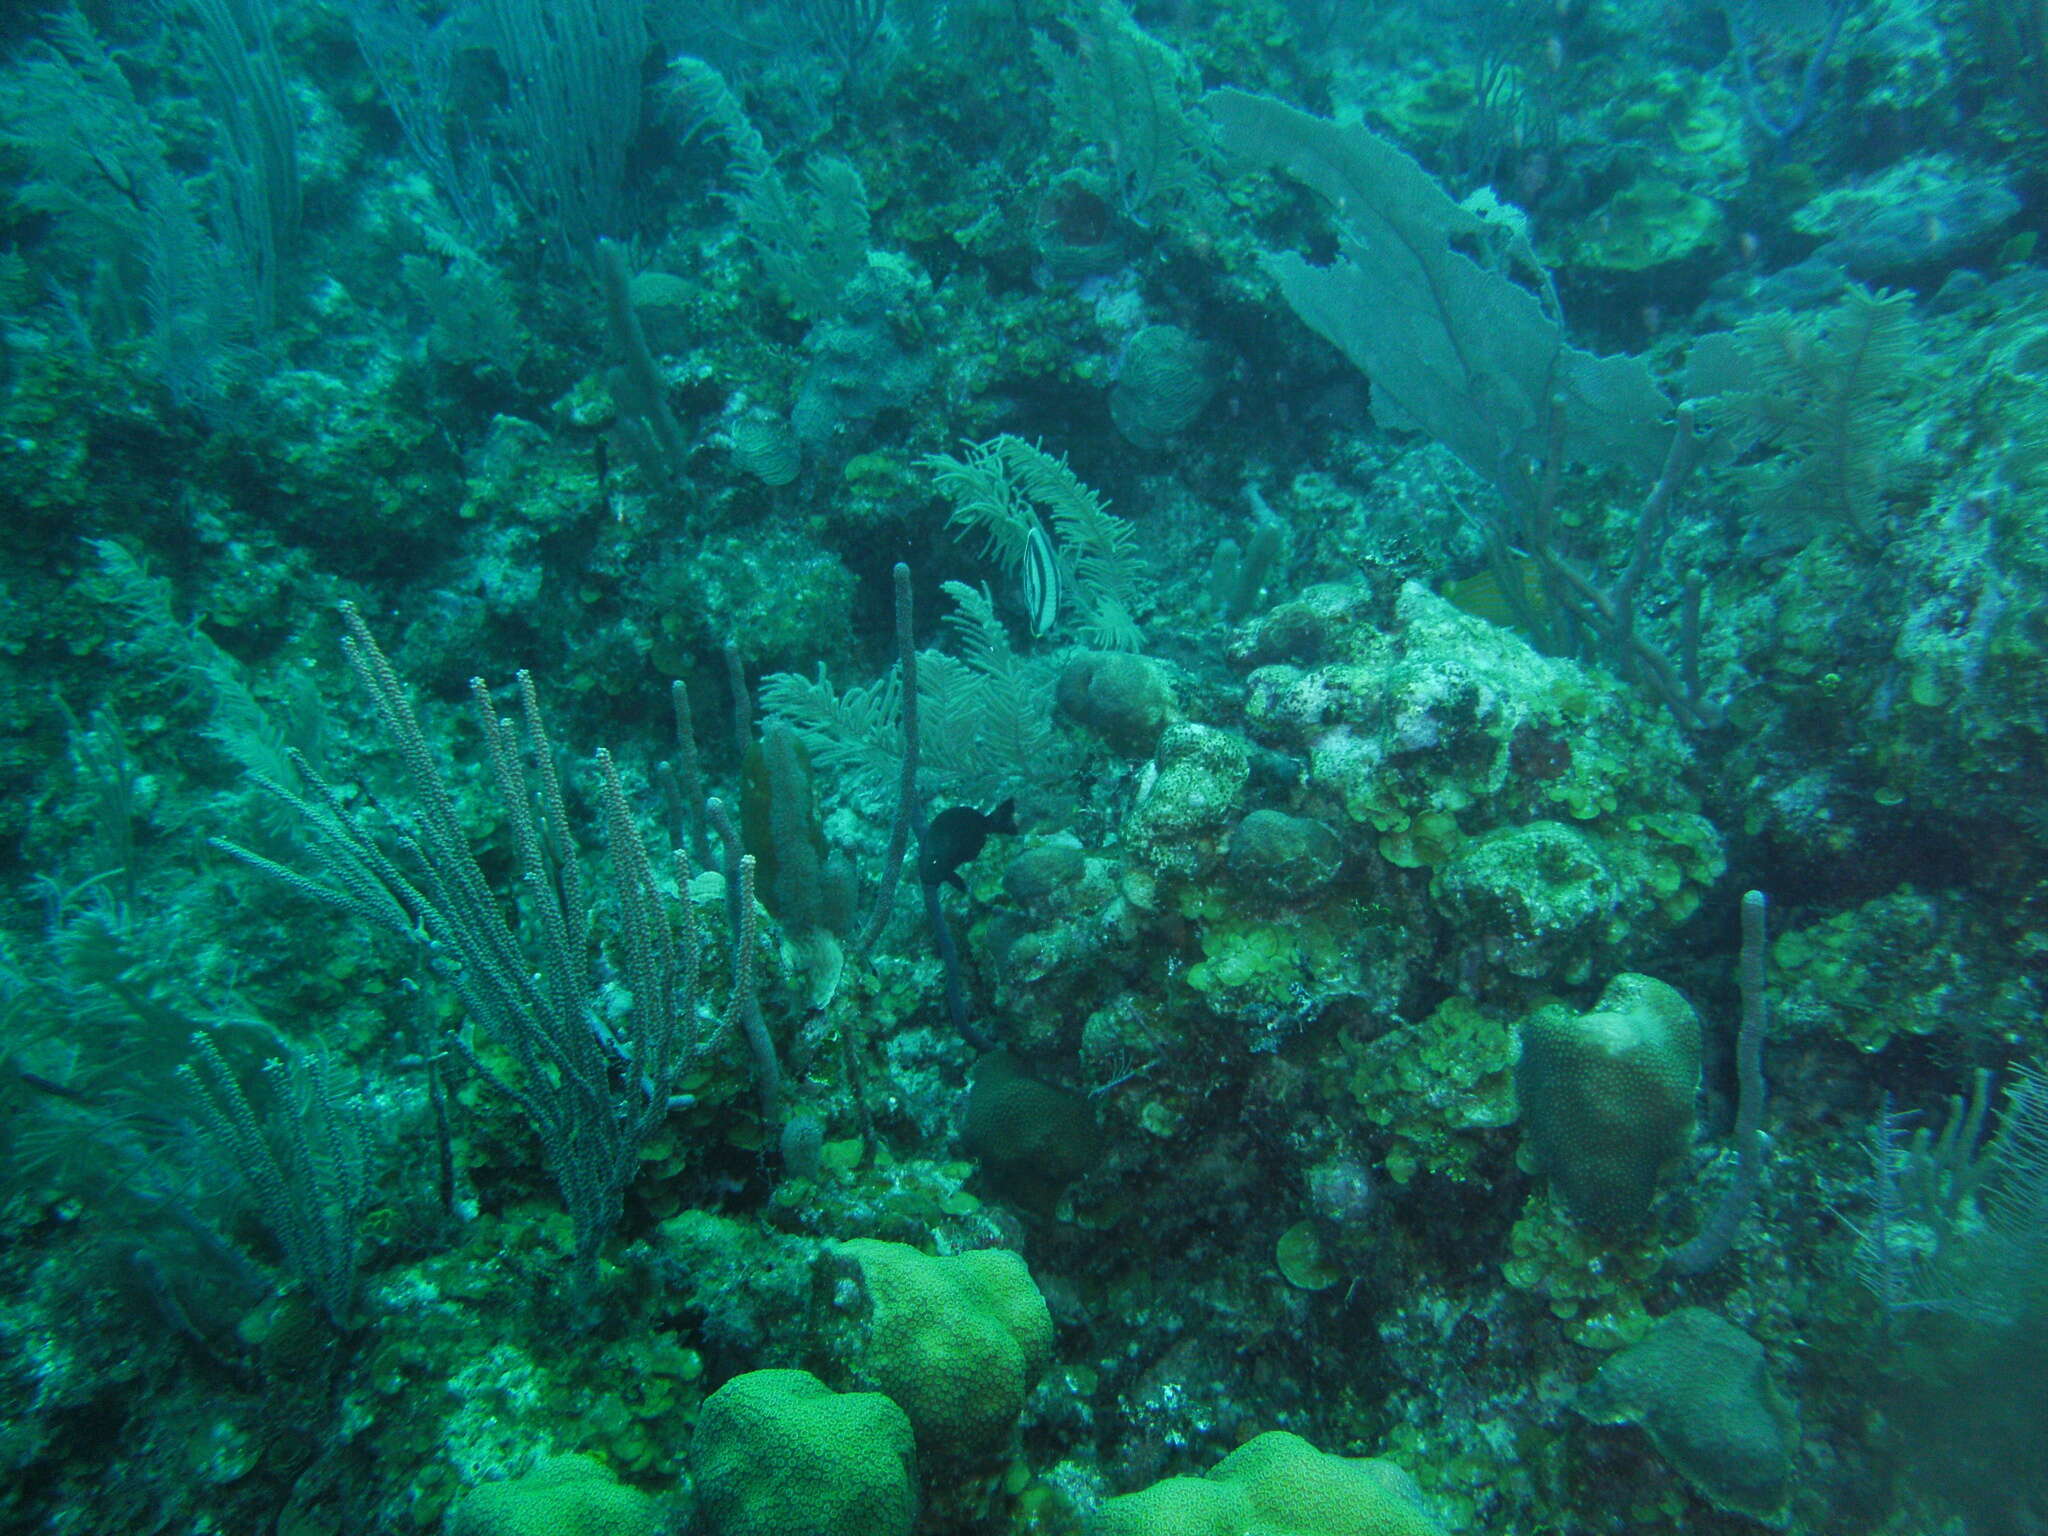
[842,767]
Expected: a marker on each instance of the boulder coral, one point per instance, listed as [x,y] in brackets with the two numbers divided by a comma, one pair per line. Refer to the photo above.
[1276,1485]
[779,1453]
[560,1496]
[1698,1386]
[1607,1096]
[956,1341]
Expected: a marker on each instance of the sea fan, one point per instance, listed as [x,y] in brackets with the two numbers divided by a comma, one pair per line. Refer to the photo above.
[1820,406]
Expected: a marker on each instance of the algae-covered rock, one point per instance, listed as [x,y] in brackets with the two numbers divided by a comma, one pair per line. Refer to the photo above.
[1183,814]
[1922,209]
[1538,900]
[1425,726]
[1648,223]
[1698,1387]
[1596,1285]
[1255,965]
[1911,963]
[1436,1087]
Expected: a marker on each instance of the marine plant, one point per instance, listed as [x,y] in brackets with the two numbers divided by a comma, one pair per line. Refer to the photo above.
[1817,405]
[592,1072]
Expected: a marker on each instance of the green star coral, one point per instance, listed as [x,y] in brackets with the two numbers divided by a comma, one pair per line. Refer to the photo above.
[957,1341]
[1276,1485]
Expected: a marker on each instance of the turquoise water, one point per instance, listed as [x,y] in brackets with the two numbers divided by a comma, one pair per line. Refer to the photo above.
[865,766]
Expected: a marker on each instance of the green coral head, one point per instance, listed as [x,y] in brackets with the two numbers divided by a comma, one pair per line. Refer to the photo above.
[1607,1096]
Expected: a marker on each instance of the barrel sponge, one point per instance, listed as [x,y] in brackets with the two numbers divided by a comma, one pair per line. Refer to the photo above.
[1276,1485]
[956,1341]
[561,1496]
[779,1453]
[1698,1386]
[1607,1096]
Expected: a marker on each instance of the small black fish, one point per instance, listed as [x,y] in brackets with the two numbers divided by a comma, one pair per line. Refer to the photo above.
[955,837]
[56,1090]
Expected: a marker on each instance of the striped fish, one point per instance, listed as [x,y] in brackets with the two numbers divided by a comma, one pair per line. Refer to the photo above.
[1042,582]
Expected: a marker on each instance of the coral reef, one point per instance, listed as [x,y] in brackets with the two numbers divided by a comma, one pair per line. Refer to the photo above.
[779,1451]
[989,767]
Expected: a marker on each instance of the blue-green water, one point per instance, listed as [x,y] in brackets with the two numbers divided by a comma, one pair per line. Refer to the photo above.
[865,766]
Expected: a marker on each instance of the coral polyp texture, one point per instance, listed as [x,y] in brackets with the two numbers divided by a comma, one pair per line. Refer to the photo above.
[956,1341]
[1607,1096]
[560,1496]
[1276,1485]
[780,1452]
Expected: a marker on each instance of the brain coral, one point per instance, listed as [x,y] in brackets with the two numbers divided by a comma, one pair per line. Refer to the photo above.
[1607,1096]
[561,1496]
[778,1453]
[1275,1485]
[955,1341]
[1164,382]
